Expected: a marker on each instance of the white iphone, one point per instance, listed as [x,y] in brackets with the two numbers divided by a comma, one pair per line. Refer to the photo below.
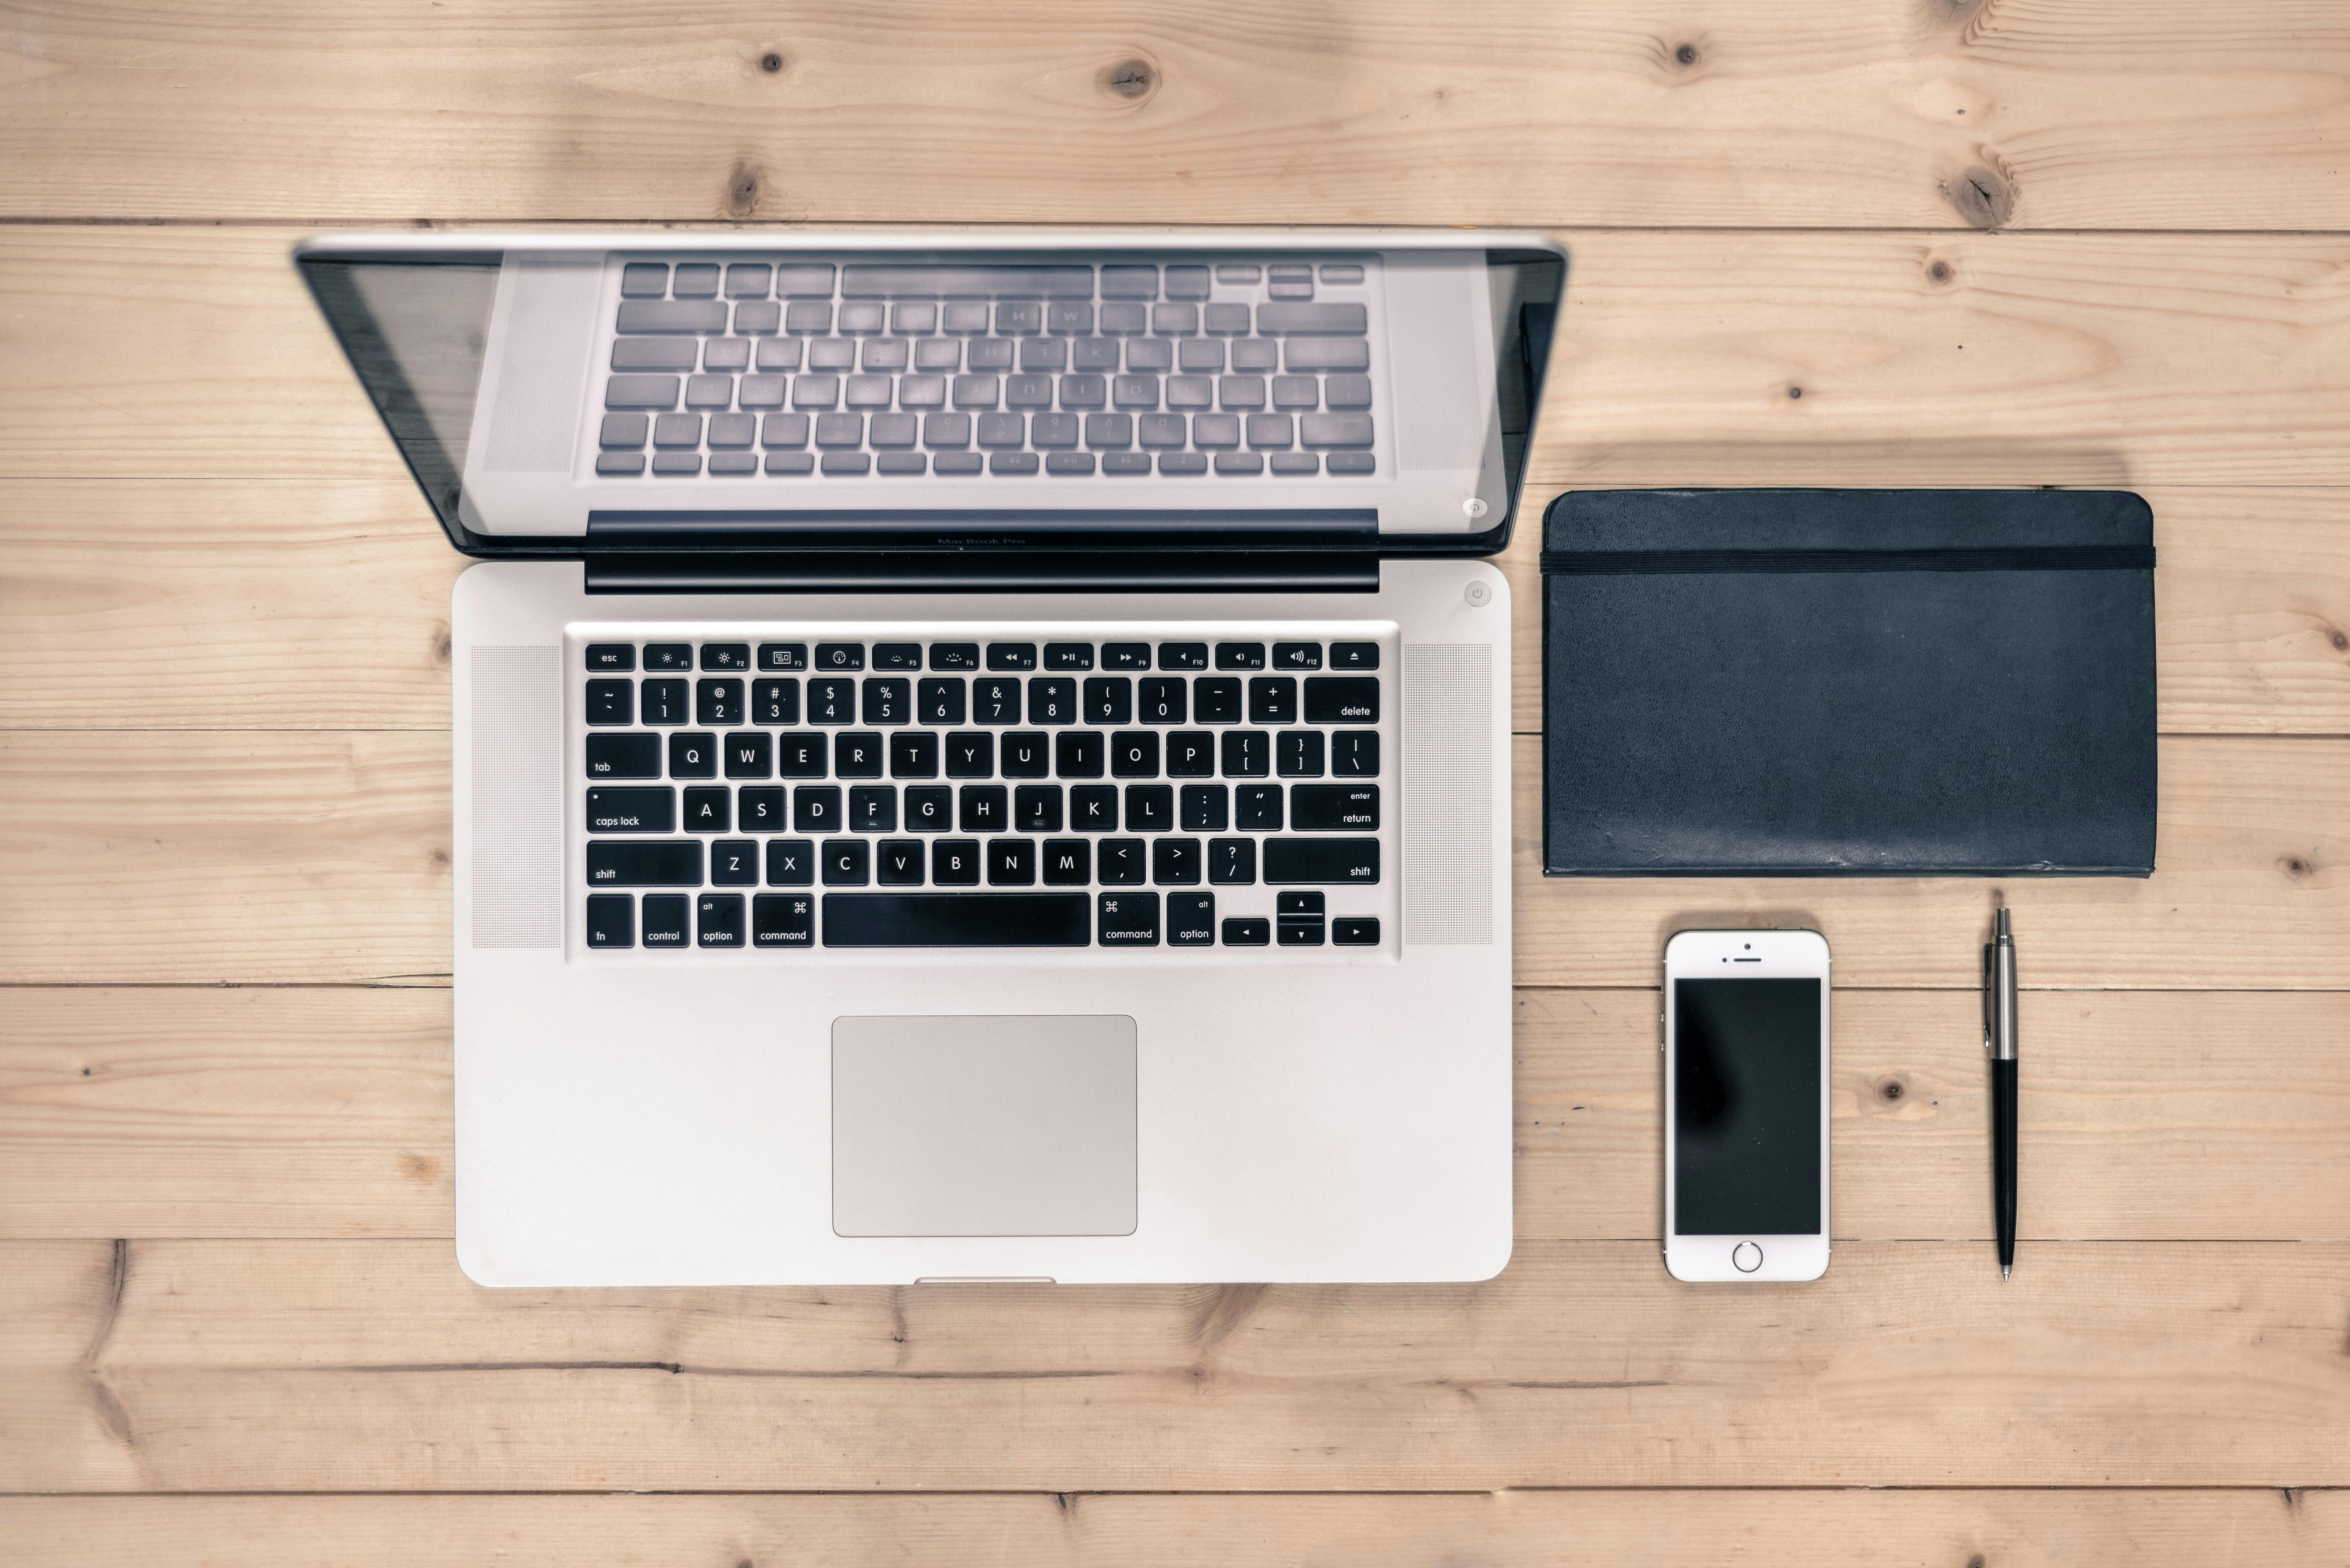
[1746,1105]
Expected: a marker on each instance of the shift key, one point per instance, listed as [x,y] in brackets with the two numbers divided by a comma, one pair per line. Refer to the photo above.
[1320,862]
[644,863]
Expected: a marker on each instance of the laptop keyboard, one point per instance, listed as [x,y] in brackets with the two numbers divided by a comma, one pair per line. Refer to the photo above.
[798,368]
[1117,790]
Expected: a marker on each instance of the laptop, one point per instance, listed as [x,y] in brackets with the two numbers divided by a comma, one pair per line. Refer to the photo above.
[977,755]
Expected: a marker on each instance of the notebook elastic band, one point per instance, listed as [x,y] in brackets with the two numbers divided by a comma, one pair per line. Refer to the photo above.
[2018,559]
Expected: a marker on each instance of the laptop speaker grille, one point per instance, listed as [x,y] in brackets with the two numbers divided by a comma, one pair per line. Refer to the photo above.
[517,798]
[1448,792]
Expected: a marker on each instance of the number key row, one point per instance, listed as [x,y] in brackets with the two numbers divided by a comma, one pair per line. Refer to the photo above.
[952,700]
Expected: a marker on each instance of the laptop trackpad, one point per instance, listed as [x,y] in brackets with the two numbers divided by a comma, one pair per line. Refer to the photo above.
[984,1127]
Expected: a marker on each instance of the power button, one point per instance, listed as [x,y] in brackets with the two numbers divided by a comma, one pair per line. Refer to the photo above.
[1746,1257]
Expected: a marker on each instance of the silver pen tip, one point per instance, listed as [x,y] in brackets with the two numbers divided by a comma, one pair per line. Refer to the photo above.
[2002,922]
[2004,1271]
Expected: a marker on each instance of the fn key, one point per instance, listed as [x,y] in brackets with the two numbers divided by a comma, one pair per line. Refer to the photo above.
[611,919]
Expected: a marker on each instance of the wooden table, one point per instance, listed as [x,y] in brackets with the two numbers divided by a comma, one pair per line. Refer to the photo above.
[1899,242]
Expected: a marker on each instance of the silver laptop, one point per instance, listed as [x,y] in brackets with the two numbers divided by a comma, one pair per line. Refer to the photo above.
[977,756]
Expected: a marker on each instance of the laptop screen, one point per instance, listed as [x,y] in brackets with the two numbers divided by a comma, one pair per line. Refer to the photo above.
[1355,390]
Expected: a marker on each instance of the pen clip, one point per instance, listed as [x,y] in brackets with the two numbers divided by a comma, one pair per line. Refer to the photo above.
[1988,948]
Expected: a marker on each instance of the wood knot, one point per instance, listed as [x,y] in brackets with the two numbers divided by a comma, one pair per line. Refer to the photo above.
[2299,867]
[1890,1091]
[1984,197]
[440,860]
[2339,639]
[770,62]
[1794,392]
[743,191]
[1976,1561]
[443,646]
[1685,56]
[1939,271]
[1130,79]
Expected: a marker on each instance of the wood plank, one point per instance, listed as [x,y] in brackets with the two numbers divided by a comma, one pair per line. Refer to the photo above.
[374,1366]
[289,1113]
[269,1111]
[2115,362]
[2071,359]
[303,604]
[226,855]
[2201,1529]
[308,857]
[1809,112]
[225,604]
[214,364]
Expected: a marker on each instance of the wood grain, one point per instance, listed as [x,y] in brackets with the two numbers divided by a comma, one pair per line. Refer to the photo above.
[1788,112]
[293,1113]
[162,1111]
[2075,358]
[186,858]
[374,1366]
[223,605]
[1582,1529]
[224,1263]
[321,603]
[304,857]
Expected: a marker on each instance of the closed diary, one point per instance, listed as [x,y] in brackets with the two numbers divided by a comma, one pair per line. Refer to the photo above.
[1848,682]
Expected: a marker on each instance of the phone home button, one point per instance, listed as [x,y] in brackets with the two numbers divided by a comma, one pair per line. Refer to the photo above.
[1746,1257]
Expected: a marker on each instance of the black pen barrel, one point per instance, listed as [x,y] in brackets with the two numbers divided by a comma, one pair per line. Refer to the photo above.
[2003,1157]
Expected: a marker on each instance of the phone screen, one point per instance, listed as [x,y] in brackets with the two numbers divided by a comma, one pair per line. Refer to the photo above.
[1746,1107]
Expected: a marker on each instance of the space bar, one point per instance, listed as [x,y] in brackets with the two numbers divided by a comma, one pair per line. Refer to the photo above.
[957,921]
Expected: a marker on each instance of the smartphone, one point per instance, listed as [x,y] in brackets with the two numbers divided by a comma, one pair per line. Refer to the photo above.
[1746,1105]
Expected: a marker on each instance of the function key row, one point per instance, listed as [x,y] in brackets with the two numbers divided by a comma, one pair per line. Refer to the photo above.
[620,658]
[1062,282]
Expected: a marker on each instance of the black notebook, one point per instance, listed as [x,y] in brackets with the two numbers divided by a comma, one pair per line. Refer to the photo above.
[1848,682]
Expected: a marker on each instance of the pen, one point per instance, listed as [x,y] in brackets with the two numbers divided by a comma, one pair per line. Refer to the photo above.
[1999,1039]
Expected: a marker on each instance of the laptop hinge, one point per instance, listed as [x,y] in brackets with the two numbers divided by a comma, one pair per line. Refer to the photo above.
[953,571]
